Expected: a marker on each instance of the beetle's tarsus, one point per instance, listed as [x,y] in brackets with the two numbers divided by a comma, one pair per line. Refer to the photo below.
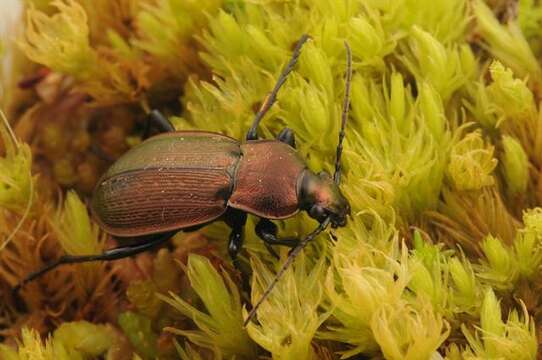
[287,136]
[273,240]
[271,98]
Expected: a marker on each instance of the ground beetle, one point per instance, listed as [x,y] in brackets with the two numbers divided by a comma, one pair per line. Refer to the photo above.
[183,180]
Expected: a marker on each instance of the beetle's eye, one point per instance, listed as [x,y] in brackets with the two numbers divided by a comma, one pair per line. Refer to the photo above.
[317,212]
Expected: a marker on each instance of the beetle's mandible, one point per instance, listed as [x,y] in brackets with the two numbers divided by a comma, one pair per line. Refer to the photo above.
[183,180]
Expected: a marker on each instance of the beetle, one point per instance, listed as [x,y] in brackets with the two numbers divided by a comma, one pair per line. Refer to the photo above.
[183,180]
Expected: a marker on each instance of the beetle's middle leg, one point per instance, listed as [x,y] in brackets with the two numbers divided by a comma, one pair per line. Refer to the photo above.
[236,219]
[267,231]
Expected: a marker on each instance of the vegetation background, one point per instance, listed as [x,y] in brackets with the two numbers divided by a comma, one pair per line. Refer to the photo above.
[442,166]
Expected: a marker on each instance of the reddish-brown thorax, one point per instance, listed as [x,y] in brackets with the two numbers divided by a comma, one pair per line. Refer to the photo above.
[268,179]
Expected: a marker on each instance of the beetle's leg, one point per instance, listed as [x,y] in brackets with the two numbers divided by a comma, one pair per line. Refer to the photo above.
[267,231]
[100,154]
[269,100]
[160,123]
[287,136]
[107,255]
[236,219]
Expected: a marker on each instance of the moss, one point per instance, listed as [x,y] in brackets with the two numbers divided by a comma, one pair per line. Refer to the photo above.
[513,339]
[442,159]
[75,340]
[220,327]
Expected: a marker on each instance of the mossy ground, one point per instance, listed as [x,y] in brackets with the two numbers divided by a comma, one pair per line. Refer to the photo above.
[441,257]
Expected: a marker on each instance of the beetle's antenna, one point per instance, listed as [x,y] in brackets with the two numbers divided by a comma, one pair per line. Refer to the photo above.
[291,257]
[344,115]
[337,178]
[272,97]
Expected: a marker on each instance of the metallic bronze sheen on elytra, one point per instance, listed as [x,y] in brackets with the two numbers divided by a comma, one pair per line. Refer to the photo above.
[171,181]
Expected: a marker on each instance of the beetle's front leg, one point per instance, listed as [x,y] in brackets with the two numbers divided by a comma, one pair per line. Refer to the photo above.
[267,231]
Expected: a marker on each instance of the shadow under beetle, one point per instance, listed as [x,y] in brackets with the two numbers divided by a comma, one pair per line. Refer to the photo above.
[183,180]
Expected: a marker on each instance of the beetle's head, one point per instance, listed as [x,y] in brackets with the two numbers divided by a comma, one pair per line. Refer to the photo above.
[321,197]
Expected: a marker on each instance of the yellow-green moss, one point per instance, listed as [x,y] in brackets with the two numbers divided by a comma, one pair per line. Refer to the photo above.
[441,166]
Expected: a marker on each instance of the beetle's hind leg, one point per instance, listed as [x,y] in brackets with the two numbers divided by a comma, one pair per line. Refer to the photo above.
[287,136]
[158,121]
[267,231]
[107,255]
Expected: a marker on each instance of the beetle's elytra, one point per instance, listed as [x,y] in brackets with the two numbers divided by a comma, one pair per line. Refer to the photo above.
[182,180]
[171,181]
